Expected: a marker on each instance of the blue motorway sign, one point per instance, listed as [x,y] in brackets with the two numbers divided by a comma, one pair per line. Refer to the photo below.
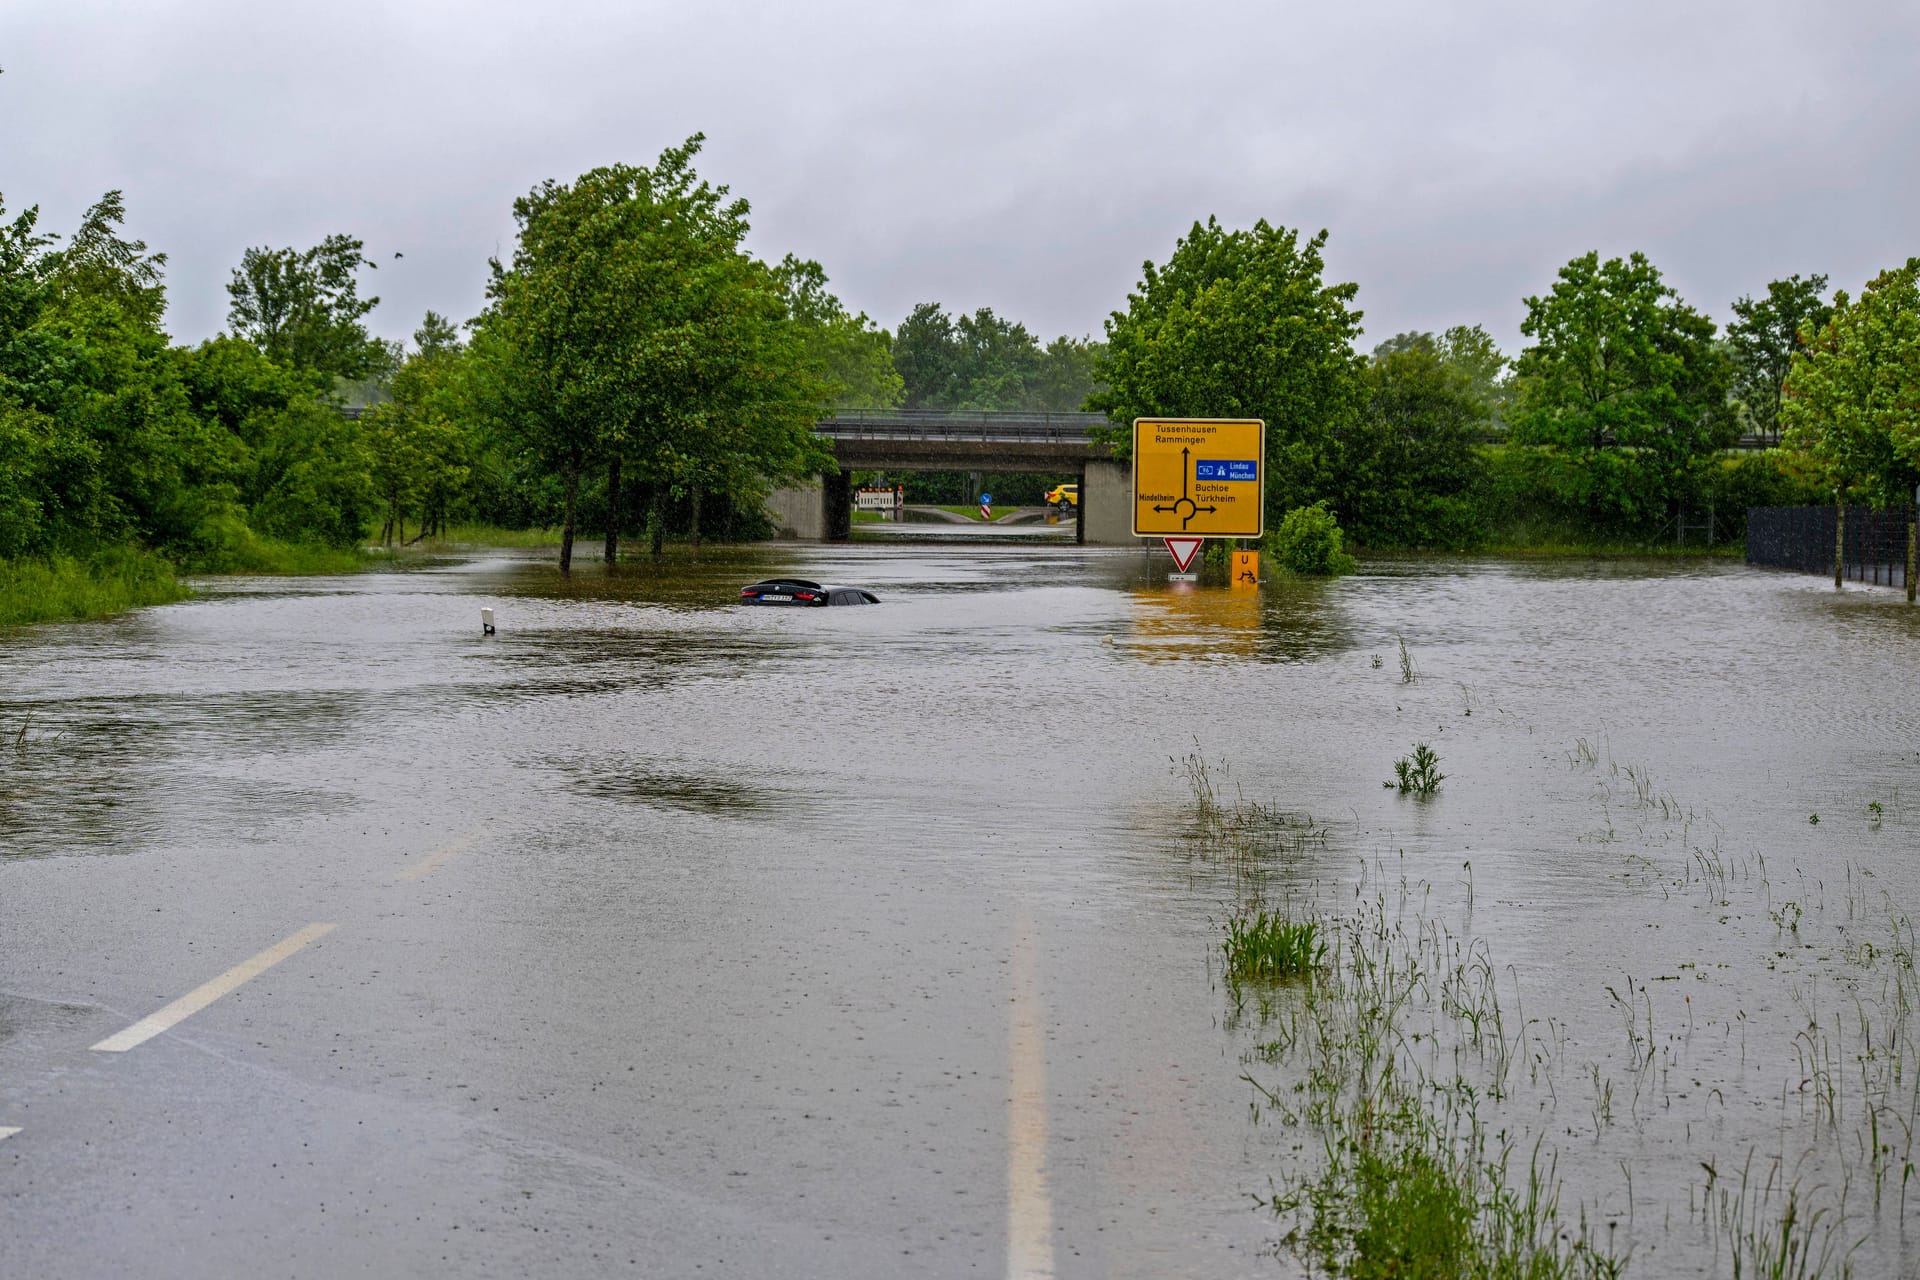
[1247,470]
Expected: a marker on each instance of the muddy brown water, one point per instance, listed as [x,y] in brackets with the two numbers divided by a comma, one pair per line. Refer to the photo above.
[717,937]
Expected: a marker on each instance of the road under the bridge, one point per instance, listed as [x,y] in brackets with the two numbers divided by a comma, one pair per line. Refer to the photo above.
[998,443]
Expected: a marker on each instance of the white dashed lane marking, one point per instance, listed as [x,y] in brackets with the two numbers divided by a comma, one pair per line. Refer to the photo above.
[202,996]
[1029,1204]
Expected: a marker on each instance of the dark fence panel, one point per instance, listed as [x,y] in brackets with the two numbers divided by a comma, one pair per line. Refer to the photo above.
[1802,538]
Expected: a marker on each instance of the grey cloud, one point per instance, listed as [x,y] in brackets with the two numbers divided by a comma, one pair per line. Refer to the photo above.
[1023,156]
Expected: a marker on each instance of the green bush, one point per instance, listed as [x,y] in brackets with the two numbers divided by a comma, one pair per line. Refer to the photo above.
[1764,478]
[225,543]
[1308,541]
[60,588]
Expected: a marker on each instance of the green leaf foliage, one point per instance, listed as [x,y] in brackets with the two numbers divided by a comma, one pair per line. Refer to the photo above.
[1764,338]
[630,328]
[1852,400]
[302,308]
[986,362]
[1407,465]
[850,353]
[1241,324]
[1626,380]
[1308,541]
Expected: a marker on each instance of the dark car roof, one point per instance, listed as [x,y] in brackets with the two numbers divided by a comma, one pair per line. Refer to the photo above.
[784,582]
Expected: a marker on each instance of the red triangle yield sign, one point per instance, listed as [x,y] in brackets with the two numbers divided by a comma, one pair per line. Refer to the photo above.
[1183,550]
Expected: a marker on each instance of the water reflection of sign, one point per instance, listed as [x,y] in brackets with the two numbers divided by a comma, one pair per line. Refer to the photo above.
[1183,622]
[1199,477]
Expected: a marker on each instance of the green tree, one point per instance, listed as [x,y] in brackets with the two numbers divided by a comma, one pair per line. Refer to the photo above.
[1068,374]
[926,352]
[1241,324]
[631,330]
[1627,381]
[419,451]
[984,361]
[437,336]
[1408,463]
[1852,397]
[304,309]
[1471,351]
[50,482]
[850,353]
[110,435]
[313,477]
[999,363]
[1764,338]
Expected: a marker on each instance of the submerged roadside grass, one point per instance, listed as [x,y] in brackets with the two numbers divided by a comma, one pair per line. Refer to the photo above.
[65,588]
[71,588]
[1429,1123]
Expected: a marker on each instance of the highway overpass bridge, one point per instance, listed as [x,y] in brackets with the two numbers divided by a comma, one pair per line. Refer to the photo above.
[926,440]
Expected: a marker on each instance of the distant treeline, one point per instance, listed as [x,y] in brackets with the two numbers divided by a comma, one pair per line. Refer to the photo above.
[636,369]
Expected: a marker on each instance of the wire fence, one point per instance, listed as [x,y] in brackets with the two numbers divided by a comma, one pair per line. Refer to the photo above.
[1802,538]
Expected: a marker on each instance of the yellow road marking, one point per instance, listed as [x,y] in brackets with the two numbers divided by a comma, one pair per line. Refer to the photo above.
[200,997]
[439,857]
[1029,1206]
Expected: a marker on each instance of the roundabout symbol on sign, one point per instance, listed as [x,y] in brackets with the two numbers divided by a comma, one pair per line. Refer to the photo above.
[1184,507]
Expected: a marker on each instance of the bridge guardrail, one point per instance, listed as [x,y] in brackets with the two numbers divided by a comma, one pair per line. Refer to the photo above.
[923,424]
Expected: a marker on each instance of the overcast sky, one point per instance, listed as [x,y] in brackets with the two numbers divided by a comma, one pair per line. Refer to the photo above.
[1023,156]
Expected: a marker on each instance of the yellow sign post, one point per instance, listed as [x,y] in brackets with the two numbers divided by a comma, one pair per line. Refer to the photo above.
[1199,477]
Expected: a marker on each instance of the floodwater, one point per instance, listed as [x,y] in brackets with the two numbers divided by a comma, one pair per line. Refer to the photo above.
[673,937]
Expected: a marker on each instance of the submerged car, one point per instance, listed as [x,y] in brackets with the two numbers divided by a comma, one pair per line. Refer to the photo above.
[802,592]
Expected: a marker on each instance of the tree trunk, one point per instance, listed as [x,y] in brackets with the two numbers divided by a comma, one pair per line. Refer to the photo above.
[696,515]
[566,530]
[657,522]
[613,510]
[1839,539]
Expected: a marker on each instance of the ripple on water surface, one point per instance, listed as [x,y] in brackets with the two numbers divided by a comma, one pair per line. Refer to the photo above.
[1634,755]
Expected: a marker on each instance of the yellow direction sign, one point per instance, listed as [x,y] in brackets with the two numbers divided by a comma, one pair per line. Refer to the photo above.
[1199,477]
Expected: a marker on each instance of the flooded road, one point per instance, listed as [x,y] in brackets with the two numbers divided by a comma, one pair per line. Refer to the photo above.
[671,937]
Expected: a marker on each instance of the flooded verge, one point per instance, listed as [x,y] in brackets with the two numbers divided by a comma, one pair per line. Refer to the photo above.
[1648,943]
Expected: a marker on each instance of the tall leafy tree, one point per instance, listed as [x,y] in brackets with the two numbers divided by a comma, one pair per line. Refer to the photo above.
[1627,380]
[850,352]
[420,450]
[926,351]
[1852,396]
[303,307]
[1767,333]
[999,362]
[985,361]
[1407,464]
[1471,351]
[1068,374]
[631,330]
[1242,324]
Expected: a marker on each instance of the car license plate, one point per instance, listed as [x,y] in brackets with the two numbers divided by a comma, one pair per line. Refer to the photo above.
[771,596]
